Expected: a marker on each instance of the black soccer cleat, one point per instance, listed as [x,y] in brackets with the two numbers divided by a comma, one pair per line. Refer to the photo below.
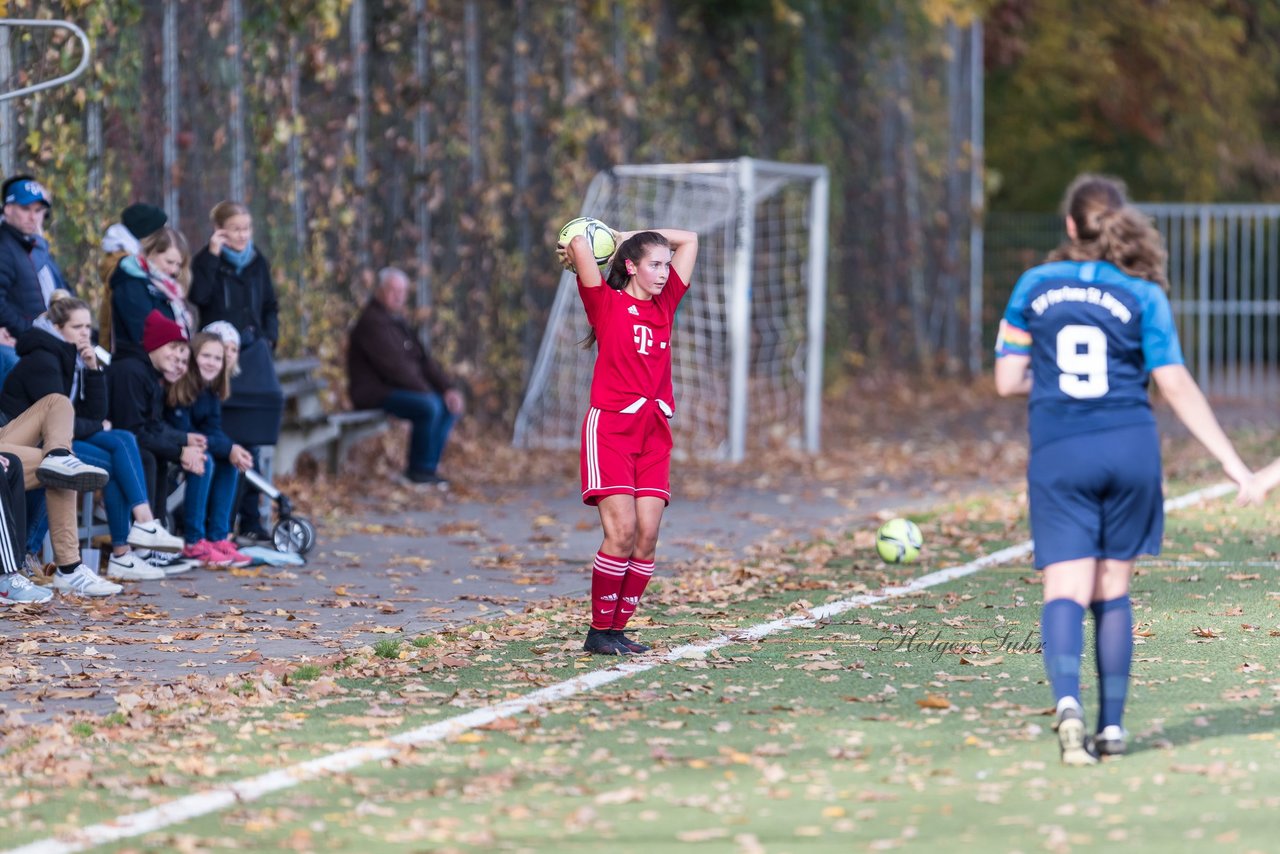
[602,642]
[633,645]
[1112,741]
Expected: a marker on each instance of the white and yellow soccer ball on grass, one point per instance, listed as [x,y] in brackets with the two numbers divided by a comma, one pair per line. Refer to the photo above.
[899,541]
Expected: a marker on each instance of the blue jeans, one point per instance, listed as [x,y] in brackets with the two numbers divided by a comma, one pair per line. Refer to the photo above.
[8,358]
[127,487]
[431,421]
[210,495]
[37,521]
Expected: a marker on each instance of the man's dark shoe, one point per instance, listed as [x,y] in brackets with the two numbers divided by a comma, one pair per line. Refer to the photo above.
[635,646]
[602,642]
[427,478]
[254,537]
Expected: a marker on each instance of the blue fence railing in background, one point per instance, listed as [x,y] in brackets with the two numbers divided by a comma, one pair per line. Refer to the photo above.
[1224,285]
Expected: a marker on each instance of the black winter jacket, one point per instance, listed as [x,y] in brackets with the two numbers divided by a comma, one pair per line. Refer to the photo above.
[137,405]
[47,365]
[21,300]
[246,299]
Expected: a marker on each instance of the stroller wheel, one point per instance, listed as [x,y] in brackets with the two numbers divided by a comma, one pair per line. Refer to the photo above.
[294,534]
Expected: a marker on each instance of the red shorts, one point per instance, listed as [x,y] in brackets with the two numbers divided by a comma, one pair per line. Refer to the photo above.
[625,454]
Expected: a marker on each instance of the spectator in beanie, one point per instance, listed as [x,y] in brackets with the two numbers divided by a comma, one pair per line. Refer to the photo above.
[137,222]
[136,386]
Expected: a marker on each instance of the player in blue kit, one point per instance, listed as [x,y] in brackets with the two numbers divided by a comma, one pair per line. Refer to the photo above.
[1082,334]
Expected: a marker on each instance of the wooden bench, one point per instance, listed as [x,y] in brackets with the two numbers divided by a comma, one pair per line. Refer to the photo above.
[308,428]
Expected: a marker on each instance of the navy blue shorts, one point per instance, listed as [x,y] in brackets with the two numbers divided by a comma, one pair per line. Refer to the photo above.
[1097,495]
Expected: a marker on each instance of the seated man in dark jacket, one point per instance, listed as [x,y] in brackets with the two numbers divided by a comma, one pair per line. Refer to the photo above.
[389,369]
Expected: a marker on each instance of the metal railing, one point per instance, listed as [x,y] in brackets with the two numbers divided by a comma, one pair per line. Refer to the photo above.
[1224,285]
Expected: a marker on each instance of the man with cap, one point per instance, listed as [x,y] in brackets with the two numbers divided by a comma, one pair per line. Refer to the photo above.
[137,222]
[28,274]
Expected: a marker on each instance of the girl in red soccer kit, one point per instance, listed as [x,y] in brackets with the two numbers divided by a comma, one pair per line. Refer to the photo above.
[626,441]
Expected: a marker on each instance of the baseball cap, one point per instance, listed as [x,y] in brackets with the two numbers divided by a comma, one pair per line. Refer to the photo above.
[28,192]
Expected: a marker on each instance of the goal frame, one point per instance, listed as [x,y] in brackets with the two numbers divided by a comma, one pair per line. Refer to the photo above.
[745,171]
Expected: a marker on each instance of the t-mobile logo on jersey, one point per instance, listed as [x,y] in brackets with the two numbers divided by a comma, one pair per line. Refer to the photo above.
[643,338]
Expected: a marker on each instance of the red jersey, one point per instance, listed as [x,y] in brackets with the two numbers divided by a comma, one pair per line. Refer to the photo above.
[633,362]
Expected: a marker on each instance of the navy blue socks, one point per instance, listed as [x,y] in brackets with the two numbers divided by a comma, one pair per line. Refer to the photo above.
[1062,630]
[1114,626]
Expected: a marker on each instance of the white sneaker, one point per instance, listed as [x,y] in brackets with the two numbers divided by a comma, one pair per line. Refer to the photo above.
[66,471]
[152,535]
[130,567]
[84,582]
[17,589]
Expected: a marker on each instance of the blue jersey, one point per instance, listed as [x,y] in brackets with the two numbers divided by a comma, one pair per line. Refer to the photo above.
[1093,334]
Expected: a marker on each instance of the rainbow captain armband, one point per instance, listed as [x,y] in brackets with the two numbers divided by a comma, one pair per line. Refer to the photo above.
[1012,341]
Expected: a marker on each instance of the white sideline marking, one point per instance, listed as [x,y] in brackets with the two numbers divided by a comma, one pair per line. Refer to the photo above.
[243,791]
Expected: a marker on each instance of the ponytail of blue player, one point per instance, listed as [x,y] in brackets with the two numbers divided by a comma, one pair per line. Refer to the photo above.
[1082,336]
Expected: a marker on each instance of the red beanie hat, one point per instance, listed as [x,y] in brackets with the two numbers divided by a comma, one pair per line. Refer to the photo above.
[159,330]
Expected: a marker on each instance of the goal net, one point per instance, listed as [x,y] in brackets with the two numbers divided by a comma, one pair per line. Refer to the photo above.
[748,338]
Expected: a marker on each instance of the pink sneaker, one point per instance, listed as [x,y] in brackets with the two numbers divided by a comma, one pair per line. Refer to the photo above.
[228,550]
[205,552]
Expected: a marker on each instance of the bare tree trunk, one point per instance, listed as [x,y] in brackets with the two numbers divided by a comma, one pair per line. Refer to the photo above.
[520,48]
[238,157]
[913,225]
[626,129]
[172,180]
[568,48]
[360,72]
[471,25]
[944,320]
[8,135]
[299,186]
[421,166]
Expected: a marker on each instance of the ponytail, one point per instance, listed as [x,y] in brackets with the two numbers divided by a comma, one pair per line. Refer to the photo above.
[1127,239]
[1108,228]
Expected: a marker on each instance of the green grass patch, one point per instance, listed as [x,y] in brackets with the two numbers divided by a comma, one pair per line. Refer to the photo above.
[387,648]
[921,720]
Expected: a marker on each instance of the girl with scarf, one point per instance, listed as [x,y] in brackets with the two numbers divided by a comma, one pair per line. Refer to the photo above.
[154,279]
[231,281]
[56,357]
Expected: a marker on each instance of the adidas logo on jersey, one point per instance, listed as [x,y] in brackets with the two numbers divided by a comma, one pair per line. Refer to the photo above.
[612,597]
[631,600]
[631,309]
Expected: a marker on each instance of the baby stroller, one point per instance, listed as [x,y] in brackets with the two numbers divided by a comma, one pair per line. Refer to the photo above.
[290,533]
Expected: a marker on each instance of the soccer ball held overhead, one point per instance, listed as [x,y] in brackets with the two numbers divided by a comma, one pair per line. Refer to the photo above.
[599,238]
